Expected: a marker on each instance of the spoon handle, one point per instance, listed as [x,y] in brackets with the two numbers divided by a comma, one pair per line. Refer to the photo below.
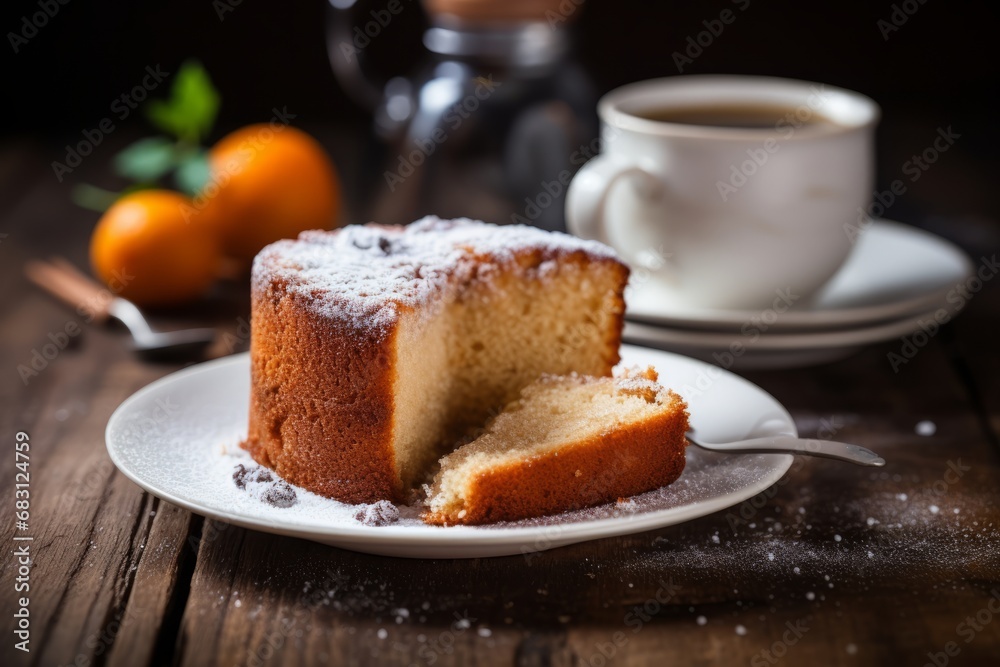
[829,449]
[70,285]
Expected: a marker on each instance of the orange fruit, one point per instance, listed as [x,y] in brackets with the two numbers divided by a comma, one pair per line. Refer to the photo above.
[270,182]
[154,248]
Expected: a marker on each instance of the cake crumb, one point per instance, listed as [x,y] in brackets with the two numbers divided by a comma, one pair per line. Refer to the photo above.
[639,383]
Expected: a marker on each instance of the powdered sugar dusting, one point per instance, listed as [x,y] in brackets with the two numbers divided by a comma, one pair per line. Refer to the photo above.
[706,474]
[634,380]
[638,381]
[381,513]
[264,485]
[367,274]
[309,507]
[180,437]
[781,544]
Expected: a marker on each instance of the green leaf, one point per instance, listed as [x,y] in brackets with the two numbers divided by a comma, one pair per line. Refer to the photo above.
[166,116]
[198,97]
[147,159]
[92,197]
[98,199]
[136,187]
[193,172]
[190,111]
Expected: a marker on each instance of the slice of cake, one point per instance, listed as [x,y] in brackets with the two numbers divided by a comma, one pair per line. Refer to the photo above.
[375,349]
[569,442]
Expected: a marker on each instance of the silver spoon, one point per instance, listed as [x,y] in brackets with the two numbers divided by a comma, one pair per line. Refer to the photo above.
[157,345]
[828,449]
[66,282]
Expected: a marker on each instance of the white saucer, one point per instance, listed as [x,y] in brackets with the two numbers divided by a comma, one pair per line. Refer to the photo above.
[782,349]
[895,270]
[177,438]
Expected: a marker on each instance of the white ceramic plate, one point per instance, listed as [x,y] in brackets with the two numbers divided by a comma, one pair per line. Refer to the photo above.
[895,270]
[177,438]
[776,350]
[810,340]
[693,344]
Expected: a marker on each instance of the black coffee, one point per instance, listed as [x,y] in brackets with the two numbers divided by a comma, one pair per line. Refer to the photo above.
[749,116]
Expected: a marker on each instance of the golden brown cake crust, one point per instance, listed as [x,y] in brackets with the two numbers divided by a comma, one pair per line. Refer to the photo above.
[320,400]
[323,353]
[627,461]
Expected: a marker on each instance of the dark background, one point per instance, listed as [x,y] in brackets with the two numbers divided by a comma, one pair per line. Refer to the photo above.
[938,70]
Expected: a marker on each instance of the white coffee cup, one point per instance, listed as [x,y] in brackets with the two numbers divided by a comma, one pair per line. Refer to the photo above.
[724,217]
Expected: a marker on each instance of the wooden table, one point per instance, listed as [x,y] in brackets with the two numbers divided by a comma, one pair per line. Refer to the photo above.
[834,565]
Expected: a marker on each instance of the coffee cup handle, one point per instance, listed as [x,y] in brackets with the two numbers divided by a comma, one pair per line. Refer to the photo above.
[586,199]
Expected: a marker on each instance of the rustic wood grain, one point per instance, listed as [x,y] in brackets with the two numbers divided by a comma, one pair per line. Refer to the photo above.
[120,578]
[565,606]
[90,525]
[974,341]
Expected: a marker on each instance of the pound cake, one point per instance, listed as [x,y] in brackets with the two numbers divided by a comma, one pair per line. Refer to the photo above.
[375,349]
[569,442]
